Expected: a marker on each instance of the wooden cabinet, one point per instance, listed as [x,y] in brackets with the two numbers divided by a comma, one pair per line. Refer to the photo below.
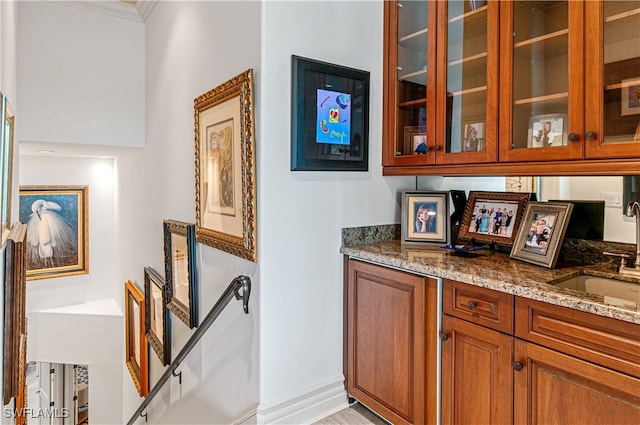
[511,88]
[554,388]
[477,382]
[390,342]
[477,345]
[535,364]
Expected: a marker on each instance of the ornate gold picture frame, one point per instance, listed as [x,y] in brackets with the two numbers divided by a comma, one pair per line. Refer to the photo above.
[225,167]
[57,219]
[136,343]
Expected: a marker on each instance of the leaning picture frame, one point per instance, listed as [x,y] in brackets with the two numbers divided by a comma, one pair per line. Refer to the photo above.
[156,318]
[484,220]
[540,237]
[547,130]
[226,198]
[136,351]
[181,273]
[425,218]
[329,116]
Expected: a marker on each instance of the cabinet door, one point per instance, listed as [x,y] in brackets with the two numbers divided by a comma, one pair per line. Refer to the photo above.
[386,341]
[542,80]
[554,388]
[613,79]
[409,81]
[477,380]
[467,91]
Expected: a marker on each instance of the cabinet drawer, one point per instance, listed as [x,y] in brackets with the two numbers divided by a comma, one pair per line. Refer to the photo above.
[602,340]
[483,306]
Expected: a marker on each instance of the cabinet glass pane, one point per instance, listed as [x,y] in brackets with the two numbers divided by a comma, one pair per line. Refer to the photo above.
[411,111]
[621,71]
[540,73]
[466,75]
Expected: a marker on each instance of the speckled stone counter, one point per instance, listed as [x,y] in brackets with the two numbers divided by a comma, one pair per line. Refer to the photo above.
[381,245]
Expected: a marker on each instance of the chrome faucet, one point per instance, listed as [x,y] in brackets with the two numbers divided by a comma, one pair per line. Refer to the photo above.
[633,209]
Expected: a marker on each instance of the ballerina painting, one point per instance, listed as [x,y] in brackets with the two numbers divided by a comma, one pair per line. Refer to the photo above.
[56,230]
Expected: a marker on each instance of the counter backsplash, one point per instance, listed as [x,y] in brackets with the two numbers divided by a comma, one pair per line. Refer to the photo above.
[573,251]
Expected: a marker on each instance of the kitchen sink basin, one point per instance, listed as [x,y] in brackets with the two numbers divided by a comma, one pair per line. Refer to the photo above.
[614,291]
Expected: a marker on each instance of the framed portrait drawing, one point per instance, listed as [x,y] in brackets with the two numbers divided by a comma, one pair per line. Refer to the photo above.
[540,237]
[630,97]
[6,164]
[425,217]
[473,136]
[181,272]
[493,217]
[156,318]
[135,340]
[547,130]
[329,117]
[57,219]
[225,168]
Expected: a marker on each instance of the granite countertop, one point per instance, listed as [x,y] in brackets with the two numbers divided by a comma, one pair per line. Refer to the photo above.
[381,245]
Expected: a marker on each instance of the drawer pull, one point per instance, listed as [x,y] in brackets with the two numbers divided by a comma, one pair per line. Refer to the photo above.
[444,336]
[518,366]
[471,305]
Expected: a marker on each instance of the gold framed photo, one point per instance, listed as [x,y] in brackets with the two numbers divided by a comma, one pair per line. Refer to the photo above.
[543,228]
[57,219]
[225,168]
[425,217]
[135,340]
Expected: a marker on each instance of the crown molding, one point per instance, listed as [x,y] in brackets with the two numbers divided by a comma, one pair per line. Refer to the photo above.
[145,7]
[118,9]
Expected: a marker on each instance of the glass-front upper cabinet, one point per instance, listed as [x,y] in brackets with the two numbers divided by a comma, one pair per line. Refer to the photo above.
[409,64]
[542,96]
[467,90]
[613,79]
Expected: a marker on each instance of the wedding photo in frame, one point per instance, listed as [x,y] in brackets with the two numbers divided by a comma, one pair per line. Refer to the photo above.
[181,272]
[136,351]
[425,218]
[493,217]
[156,318]
[57,219]
[225,167]
[541,234]
[329,116]
[547,130]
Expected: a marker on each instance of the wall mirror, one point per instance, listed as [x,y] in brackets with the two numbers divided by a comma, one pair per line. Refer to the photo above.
[617,227]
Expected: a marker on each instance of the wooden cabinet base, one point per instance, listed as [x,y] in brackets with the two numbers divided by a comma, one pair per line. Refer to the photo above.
[391,342]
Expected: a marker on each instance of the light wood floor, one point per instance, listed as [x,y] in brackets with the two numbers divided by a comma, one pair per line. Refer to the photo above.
[356,414]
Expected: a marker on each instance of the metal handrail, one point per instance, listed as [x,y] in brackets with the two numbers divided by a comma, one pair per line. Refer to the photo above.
[240,288]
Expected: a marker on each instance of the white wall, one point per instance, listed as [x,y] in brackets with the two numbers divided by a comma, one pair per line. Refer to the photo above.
[301,213]
[192,47]
[8,86]
[81,76]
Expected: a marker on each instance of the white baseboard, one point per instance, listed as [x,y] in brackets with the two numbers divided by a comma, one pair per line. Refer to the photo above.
[306,406]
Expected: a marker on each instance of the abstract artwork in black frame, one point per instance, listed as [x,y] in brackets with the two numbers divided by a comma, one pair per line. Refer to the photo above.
[329,117]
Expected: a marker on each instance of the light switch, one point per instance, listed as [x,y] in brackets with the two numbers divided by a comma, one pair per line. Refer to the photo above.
[612,199]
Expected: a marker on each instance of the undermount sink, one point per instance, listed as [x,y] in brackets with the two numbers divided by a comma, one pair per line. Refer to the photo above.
[614,291]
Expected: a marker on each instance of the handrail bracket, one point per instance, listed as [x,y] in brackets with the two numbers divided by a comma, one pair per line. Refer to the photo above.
[242,283]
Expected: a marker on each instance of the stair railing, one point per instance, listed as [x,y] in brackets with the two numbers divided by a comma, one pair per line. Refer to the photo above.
[240,288]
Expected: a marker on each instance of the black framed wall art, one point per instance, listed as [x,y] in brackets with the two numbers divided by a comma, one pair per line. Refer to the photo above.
[329,117]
